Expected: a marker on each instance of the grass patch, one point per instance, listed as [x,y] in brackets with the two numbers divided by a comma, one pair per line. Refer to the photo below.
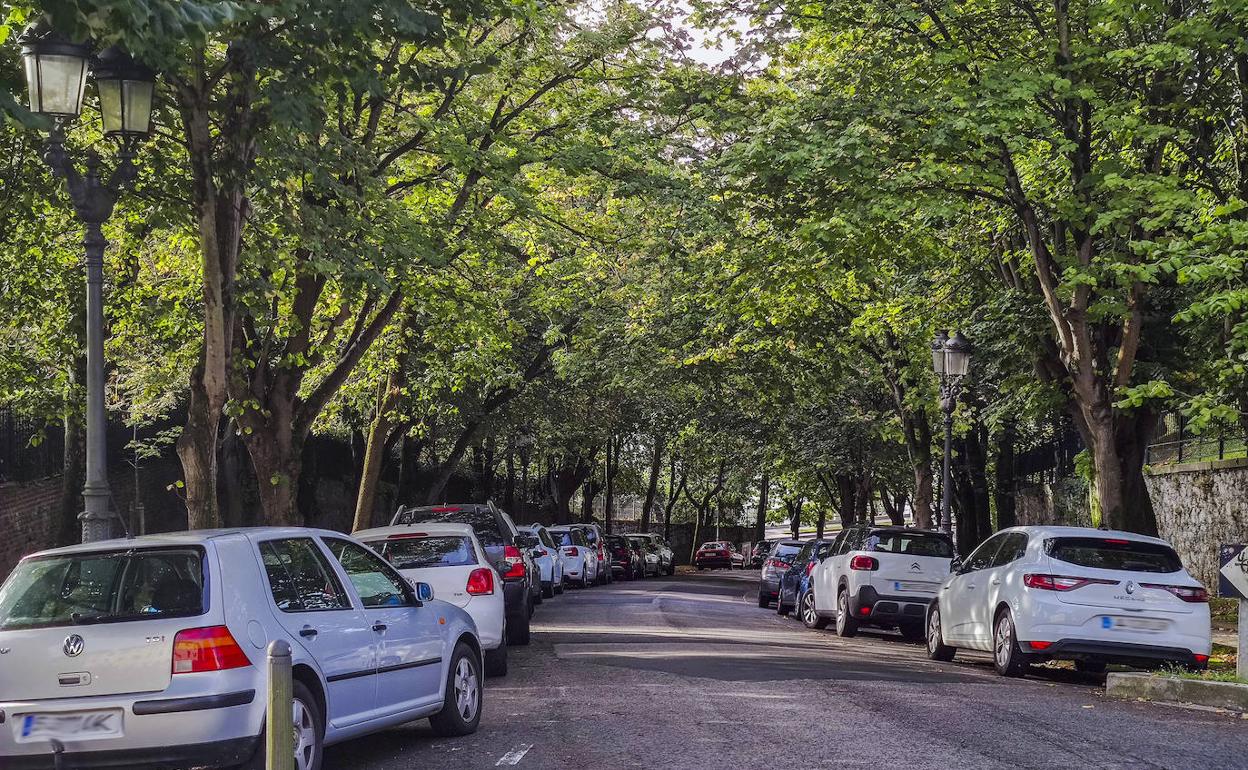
[1212,675]
[1224,612]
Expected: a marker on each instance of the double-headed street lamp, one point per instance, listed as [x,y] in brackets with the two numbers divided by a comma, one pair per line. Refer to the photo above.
[951,358]
[56,76]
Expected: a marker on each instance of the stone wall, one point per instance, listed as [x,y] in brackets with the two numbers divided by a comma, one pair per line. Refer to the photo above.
[1063,502]
[1200,506]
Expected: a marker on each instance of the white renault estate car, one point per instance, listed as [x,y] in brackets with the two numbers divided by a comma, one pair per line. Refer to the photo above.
[580,559]
[450,559]
[1030,594]
[151,650]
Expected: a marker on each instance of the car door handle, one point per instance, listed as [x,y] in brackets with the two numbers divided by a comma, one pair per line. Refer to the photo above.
[379,626]
[307,632]
[996,582]
[970,587]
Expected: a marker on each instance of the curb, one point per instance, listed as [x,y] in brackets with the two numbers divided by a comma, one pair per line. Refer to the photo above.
[1166,689]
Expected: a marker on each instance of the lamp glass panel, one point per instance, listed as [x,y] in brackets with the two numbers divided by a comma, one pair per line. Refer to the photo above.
[138,94]
[56,83]
[958,362]
[110,104]
[938,359]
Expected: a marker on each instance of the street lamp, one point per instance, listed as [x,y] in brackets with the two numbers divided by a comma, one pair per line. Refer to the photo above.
[951,359]
[56,74]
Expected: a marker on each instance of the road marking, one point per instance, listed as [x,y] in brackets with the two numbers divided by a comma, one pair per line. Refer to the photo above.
[514,756]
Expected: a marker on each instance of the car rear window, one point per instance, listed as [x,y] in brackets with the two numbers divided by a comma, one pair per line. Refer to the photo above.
[713,547]
[563,538]
[110,587]
[910,544]
[483,522]
[1114,554]
[421,552]
[786,551]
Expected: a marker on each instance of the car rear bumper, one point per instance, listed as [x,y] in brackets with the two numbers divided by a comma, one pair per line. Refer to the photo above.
[226,753]
[1116,652]
[712,562]
[769,588]
[886,609]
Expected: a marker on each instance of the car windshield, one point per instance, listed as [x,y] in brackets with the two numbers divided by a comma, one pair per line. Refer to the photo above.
[420,552]
[110,587]
[1114,554]
[483,522]
[910,544]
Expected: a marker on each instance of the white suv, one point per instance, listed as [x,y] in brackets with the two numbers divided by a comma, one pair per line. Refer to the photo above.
[880,576]
[1029,594]
[151,650]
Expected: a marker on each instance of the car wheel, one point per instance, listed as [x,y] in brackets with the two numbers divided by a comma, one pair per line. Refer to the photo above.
[1090,666]
[461,708]
[781,607]
[810,616]
[559,588]
[763,601]
[537,599]
[496,659]
[309,726]
[936,647]
[1007,659]
[548,590]
[846,626]
[518,632]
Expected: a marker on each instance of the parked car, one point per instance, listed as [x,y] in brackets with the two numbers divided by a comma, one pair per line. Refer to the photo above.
[881,576]
[663,549]
[626,557]
[594,536]
[549,563]
[580,560]
[718,553]
[450,559]
[760,552]
[152,649]
[775,565]
[648,550]
[795,582]
[497,534]
[1030,594]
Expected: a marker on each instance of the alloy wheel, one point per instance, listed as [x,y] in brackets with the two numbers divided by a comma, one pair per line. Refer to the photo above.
[467,690]
[808,609]
[1004,641]
[933,630]
[305,735]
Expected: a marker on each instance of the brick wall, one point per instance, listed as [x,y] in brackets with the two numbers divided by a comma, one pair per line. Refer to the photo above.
[27,519]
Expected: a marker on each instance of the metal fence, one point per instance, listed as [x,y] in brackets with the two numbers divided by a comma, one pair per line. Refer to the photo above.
[29,449]
[1220,441]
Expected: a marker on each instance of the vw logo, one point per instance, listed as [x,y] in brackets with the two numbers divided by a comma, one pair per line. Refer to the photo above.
[1130,586]
[73,645]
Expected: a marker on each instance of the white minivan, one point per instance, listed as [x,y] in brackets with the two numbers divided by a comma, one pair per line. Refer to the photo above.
[151,650]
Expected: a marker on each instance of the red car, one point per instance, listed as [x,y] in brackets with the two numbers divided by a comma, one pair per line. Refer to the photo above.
[718,553]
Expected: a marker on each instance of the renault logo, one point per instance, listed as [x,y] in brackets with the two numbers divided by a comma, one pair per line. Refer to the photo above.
[73,645]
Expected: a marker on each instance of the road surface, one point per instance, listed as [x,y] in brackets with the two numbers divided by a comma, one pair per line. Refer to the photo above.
[687,672]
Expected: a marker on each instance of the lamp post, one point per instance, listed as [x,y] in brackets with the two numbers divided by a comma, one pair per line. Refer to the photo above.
[56,75]
[951,358]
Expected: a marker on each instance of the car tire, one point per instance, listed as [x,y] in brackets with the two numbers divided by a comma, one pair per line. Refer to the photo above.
[461,707]
[311,738]
[763,601]
[496,659]
[1007,658]
[846,626]
[781,607]
[912,632]
[936,647]
[560,587]
[1090,666]
[537,598]
[810,616]
[518,632]
[548,590]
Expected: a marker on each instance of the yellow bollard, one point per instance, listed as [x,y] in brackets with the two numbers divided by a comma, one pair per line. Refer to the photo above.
[279,749]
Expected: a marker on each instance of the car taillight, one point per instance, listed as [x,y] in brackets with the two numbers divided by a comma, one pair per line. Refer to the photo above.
[1196,595]
[515,562]
[1062,582]
[810,567]
[868,563]
[778,564]
[206,649]
[571,551]
[481,582]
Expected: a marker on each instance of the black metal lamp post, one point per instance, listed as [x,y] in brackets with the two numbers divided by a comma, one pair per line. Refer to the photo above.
[951,359]
[56,74]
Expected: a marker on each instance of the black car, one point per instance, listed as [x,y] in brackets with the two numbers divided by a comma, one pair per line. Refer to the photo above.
[795,580]
[762,549]
[775,564]
[626,559]
[505,549]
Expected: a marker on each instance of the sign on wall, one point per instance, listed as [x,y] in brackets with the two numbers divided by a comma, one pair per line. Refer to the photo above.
[1233,575]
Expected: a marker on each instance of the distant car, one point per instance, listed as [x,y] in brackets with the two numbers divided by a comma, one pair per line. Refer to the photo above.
[667,558]
[151,650]
[580,559]
[760,551]
[594,536]
[718,554]
[775,565]
[626,557]
[648,550]
[497,534]
[549,563]
[881,576]
[1030,594]
[450,559]
[795,583]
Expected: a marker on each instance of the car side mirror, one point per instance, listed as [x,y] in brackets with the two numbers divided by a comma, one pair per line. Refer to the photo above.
[424,592]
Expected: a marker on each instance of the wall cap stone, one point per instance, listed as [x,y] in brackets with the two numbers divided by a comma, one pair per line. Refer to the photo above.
[1206,465]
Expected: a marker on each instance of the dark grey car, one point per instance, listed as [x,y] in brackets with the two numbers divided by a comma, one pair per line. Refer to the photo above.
[776,563]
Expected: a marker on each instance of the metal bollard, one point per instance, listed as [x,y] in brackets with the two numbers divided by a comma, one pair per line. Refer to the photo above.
[279,737]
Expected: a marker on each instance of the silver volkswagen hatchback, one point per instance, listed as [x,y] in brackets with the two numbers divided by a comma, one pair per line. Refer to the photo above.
[151,651]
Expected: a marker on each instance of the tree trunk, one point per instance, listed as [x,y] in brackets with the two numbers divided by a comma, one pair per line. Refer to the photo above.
[821,522]
[612,467]
[652,489]
[919,446]
[409,469]
[197,449]
[73,475]
[760,519]
[375,450]
[1004,492]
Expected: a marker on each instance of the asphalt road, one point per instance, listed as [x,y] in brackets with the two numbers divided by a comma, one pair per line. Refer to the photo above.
[687,672]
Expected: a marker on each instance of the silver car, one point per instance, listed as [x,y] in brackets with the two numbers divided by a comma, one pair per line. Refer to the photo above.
[152,650]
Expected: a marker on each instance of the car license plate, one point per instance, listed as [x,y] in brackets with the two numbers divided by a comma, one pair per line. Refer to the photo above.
[75,726]
[1132,624]
[914,585]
